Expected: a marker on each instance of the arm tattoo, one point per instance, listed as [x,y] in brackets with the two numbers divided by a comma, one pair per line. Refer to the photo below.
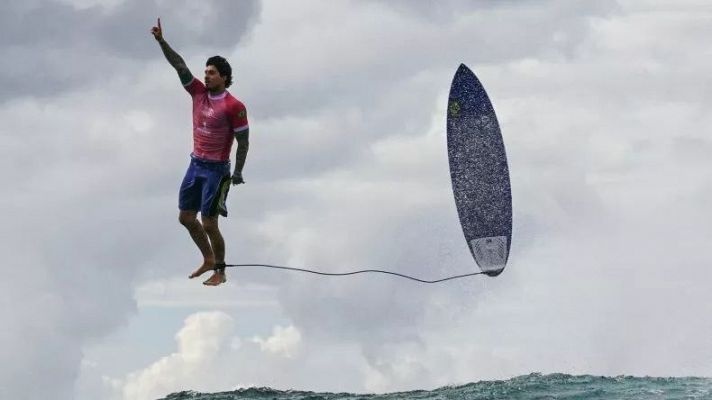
[243,145]
[177,62]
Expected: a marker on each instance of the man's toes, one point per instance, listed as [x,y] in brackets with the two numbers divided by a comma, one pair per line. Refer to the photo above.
[214,280]
[200,271]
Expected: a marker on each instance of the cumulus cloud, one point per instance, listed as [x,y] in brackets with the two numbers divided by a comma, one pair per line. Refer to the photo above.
[201,343]
[284,341]
[209,357]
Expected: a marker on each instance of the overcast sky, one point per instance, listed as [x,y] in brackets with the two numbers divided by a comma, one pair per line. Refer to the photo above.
[604,108]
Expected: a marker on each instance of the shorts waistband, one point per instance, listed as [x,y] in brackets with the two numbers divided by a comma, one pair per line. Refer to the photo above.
[211,162]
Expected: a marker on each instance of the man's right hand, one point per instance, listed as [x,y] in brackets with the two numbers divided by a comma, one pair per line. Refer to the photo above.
[157,31]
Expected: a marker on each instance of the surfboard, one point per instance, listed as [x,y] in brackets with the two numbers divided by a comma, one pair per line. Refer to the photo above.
[479,172]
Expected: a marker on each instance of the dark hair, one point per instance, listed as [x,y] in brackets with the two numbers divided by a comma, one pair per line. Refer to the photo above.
[223,68]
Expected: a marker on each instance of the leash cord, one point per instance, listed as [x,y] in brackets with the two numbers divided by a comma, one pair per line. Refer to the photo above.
[353,273]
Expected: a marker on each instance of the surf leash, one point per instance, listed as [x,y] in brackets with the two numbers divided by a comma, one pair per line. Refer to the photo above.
[353,272]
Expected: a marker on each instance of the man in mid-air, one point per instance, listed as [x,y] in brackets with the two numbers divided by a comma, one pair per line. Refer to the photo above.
[218,117]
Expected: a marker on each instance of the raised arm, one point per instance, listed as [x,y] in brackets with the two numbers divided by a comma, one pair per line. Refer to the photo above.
[173,58]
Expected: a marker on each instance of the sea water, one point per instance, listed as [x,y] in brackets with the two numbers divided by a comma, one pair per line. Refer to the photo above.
[533,386]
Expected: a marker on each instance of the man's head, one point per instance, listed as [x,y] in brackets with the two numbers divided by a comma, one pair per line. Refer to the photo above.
[218,74]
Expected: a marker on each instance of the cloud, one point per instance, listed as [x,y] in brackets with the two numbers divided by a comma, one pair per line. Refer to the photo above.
[284,341]
[71,48]
[201,343]
[209,356]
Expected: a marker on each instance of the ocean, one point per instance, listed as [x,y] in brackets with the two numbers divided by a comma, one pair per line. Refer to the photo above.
[528,387]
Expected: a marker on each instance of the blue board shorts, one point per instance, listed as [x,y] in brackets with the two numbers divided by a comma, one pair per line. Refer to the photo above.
[205,187]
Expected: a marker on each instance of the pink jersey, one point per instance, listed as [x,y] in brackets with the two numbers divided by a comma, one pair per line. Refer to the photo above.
[215,121]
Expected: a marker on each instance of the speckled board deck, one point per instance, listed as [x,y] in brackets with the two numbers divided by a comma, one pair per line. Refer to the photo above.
[479,172]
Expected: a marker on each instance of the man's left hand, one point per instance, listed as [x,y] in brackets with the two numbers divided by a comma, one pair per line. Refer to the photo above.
[237,178]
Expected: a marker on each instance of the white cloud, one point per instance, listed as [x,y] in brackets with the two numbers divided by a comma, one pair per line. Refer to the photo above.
[208,356]
[284,341]
[201,343]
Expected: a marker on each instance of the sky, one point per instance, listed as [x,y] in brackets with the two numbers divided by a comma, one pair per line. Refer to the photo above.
[603,109]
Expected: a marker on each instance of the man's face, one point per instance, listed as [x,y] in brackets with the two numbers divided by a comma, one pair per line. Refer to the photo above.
[213,80]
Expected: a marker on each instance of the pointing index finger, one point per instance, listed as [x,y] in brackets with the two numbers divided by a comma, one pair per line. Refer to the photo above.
[159,23]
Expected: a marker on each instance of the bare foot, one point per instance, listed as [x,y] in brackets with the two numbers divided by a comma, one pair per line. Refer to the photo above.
[208,265]
[216,279]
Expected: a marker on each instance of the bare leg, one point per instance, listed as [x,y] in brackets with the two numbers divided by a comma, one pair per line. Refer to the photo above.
[200,237]
[210,224]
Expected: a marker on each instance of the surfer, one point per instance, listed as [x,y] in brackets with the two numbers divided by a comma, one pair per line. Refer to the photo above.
[218,117]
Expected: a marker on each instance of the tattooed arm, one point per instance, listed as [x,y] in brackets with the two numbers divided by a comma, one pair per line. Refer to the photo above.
[173,58]
[243,145]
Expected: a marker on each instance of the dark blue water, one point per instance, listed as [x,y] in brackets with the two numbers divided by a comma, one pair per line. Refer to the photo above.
[534,386]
